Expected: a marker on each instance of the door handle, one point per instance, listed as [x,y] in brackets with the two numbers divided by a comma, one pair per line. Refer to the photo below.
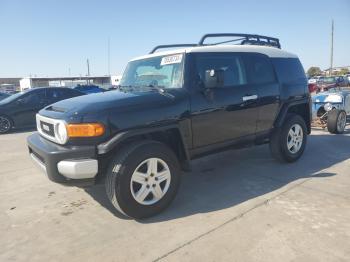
[252,97]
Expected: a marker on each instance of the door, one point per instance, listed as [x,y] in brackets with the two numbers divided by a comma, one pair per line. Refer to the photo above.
[224,113]
[261,75]
[26,107]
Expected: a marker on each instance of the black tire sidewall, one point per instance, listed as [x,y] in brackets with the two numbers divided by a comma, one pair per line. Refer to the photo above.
[123,195]
[290,121]
[332,121]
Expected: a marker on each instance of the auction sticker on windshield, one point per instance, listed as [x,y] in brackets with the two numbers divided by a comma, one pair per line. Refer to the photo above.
[173,59]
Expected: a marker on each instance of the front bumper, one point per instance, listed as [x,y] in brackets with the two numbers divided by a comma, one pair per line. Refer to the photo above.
[66,165]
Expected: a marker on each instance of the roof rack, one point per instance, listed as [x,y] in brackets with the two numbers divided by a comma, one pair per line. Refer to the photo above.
[169,46]
[246,39]
[243,39]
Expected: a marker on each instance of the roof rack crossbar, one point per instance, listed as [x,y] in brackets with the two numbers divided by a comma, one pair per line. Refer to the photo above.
[169,46]
[228,41]
[246,39]
[253,39]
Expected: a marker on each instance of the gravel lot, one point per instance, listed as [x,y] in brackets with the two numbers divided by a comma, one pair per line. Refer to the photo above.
[234,206]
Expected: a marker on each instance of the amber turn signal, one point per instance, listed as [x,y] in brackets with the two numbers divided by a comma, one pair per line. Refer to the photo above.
[85,130]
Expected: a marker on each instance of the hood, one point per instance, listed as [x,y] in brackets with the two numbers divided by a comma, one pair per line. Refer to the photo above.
[95,103]
[327,97]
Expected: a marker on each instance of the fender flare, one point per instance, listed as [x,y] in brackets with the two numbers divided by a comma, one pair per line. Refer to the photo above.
[122,136]
[284,111]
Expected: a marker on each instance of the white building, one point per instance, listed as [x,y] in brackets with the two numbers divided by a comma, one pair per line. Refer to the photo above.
[31,82]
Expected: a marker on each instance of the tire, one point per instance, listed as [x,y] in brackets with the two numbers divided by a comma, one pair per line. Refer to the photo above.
[122,192]
[282,138]
[6,124]
[336,121]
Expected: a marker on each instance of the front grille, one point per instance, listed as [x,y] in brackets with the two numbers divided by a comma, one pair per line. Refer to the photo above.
[47,128]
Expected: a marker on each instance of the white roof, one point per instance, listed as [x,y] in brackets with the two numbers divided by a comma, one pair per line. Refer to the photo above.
[269,51]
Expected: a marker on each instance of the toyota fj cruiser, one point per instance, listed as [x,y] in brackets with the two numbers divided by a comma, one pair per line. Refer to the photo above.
[174,106]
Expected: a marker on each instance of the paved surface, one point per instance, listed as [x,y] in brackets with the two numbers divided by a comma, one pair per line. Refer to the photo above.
[234,206]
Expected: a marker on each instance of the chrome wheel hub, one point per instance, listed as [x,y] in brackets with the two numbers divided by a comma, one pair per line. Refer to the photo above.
[341,122]
[4,124]
[150,181]
[295,138]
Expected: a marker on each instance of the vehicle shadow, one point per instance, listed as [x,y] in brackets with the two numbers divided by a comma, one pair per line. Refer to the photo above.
[227,179]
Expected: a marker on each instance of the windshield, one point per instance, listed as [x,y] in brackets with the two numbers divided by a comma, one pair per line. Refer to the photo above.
[160,71]
[11,98]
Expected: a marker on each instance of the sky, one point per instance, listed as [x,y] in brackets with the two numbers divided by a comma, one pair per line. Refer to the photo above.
[54,38]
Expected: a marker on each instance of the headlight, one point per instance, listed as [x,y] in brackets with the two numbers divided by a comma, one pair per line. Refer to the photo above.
[328,107]
[61,133]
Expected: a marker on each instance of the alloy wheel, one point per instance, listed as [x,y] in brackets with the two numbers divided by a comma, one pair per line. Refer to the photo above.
[295,138]
[150,181]
[341,122]
[5,124]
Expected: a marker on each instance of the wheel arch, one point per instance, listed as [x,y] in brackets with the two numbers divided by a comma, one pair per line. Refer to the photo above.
[170,135]
[300,107]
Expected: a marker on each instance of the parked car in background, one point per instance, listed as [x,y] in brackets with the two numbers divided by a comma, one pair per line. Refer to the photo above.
[342,81]
[327,83]
[89,89]
[348,77]
[315,79]
[331,109]
[3,96]
[19,110]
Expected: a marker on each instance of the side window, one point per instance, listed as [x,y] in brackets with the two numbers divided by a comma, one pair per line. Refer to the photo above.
[289,70]
[231,64]
[53,95]
[69,93]
[57,94]
[34,97]
[260,69]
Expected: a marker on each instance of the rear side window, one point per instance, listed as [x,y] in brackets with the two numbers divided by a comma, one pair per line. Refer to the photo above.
[260,69]
[289,70]
[231,64]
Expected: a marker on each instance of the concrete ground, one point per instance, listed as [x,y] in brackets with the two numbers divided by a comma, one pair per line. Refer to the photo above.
[234,206]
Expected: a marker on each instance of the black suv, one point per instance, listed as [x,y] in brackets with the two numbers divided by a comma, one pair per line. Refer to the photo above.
[174,106]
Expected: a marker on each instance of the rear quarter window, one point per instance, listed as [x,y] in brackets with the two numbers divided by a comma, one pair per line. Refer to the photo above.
[289,70]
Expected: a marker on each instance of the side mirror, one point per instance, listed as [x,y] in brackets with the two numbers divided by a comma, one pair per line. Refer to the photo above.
[214,78]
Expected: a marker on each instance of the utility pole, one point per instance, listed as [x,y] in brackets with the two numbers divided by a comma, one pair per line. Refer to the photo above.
[109,57]
[88,71]
[332,39]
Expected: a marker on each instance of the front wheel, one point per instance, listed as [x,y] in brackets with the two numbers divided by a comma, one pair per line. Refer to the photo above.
[336,121]
[143,179]
[5,124]
[287,143]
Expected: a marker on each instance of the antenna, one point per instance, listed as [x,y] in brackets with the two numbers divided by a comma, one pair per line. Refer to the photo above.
[88,70]
[332,39]
[109,56]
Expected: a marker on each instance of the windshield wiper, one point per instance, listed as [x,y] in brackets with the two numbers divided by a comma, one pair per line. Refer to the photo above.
[160,89]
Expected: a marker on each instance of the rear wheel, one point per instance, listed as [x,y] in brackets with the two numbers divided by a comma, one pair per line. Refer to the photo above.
[143,179]
[287,143]
[5,124]
[336,121]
